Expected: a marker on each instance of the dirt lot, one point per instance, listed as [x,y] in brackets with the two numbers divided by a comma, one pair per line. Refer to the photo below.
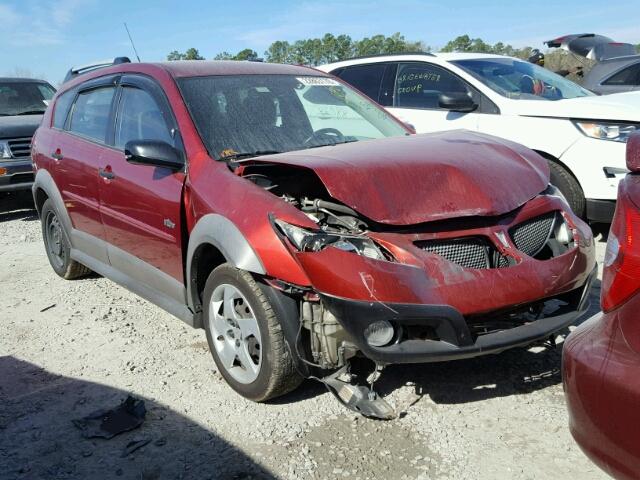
[69,348]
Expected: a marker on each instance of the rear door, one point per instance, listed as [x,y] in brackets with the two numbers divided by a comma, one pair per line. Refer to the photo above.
[77,149]
[141,204]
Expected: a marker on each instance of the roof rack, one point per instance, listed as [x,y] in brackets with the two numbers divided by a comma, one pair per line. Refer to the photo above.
[81,70]
[428,54]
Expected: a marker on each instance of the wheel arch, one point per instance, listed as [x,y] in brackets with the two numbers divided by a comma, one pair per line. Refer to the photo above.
[554,159]
[213,241]
[45,188]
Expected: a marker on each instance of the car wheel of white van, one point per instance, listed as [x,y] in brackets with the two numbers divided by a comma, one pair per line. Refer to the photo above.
[57,245]
[569,187]
[245,336]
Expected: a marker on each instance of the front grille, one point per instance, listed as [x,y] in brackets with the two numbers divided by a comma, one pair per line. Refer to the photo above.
[471,252]
[531,236]
[20,147]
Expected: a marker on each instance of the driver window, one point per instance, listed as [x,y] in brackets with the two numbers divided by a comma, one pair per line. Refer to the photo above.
[140,118]
[419,85]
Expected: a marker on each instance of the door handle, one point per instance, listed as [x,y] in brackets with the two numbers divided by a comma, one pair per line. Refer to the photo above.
[106,173]
[57,155]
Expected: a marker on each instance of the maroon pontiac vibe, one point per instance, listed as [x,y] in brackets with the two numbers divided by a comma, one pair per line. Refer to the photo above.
[301,225]
[601,359]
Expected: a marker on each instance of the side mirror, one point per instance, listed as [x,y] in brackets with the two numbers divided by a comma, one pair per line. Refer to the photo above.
[153,152]
[457,102]
[633,152]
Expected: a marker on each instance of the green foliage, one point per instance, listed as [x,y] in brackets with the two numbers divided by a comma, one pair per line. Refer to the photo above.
[246,54]
[464,43]
[190,54]
[331,48]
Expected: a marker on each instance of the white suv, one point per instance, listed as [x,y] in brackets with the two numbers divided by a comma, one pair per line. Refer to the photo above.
[583,136]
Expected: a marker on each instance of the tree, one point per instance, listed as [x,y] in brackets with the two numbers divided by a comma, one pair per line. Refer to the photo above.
[190,54]
[331,48]
[223,56]
[246,54]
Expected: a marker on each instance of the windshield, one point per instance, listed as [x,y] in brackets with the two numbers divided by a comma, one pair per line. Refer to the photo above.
[521,80]
[247,114]
[24,98]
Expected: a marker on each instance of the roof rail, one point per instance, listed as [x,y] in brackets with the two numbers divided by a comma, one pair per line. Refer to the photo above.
[81,70]
[428,54]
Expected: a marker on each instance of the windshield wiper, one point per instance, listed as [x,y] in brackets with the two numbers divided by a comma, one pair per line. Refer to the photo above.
[31,112]
[331,144]
[238,156]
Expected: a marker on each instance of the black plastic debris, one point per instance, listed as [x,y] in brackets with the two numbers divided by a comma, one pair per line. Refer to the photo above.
[134,445]
[109,423]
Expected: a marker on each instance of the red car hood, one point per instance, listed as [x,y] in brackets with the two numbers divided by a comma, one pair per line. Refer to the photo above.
[421,178]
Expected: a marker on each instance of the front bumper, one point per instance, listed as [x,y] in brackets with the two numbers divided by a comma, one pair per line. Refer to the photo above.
[19,175]
[454,337]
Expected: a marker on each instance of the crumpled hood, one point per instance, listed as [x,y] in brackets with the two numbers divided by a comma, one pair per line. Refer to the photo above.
[19,126]
[617,106]
[421,178]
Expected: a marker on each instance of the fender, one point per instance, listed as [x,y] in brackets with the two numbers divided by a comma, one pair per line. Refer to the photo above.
[222,233]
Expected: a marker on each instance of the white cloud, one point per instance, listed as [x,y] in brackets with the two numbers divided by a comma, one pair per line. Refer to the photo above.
[38,23]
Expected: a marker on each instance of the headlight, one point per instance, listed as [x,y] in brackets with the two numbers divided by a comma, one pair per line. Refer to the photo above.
[4,150]
[314,241]
[616,132]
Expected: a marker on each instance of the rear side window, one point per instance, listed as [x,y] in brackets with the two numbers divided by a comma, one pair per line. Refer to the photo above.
[366,78]
[140,118]
[627,76]
[90,116]
[61,109]
[419,85]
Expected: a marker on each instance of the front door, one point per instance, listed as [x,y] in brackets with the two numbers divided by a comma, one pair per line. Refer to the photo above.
[418,86]
[141,204]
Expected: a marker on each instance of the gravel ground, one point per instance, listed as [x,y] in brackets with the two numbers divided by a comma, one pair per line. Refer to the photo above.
[69,348]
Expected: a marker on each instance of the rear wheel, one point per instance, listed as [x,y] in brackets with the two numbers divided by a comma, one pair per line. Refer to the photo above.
[245,336]
[569,187]
[57,245]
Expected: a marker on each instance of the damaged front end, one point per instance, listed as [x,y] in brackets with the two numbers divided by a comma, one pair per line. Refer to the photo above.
[435,291]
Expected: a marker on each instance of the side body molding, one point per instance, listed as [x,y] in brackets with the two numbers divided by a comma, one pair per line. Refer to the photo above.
[219,231]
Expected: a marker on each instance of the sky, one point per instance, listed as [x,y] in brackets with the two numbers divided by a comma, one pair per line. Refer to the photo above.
[45,38]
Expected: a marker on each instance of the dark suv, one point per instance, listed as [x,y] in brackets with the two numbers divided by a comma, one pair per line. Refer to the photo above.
[22,103]
[302,225]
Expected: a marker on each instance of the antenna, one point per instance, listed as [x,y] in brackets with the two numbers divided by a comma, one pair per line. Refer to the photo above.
[131,40]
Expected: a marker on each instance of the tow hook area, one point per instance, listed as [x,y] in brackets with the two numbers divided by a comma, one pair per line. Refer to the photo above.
[347,387]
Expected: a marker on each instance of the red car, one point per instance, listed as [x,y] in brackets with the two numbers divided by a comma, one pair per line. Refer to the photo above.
[301,225]
[601,358]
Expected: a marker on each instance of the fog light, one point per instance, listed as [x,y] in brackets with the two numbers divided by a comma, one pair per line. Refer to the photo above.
[563,234]
[3,171]
[379,333]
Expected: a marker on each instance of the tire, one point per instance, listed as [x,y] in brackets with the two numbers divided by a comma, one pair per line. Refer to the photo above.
[56,243]
[569,187]
[247,341]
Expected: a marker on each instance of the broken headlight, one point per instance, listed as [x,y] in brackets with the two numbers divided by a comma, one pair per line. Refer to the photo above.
[315,240]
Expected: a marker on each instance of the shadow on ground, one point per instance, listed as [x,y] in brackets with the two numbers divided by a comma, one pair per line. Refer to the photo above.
[17,206]
[39,441]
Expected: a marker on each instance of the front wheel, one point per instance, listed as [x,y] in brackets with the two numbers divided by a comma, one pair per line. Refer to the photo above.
[569,187]
[245,336]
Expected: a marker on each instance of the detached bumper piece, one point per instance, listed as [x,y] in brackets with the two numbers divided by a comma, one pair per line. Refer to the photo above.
[437,333]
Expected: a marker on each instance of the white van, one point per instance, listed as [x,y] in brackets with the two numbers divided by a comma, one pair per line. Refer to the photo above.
[582,135]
